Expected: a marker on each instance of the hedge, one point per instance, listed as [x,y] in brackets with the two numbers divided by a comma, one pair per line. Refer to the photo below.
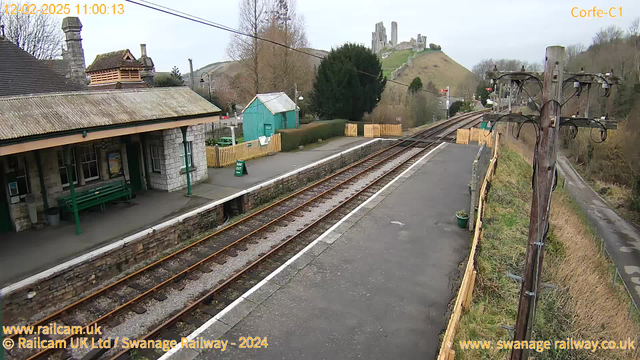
[310,133]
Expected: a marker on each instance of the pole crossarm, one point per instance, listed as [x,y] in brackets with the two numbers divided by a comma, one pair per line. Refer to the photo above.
[608,124]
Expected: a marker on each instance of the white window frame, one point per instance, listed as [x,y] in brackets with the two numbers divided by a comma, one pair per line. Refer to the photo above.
[93,154]
[156,157]
[24,175]
[60,155]
[189,152]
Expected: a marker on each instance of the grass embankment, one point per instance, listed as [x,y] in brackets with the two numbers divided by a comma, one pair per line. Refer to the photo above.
[395,60]
[586,304]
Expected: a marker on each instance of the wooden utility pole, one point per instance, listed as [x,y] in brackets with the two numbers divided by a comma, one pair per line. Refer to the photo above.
[543,182]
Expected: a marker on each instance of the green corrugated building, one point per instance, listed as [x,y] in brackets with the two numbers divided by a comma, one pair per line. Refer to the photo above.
[268,113]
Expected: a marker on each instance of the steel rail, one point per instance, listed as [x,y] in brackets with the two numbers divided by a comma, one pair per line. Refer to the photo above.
[168,281]
[193,305]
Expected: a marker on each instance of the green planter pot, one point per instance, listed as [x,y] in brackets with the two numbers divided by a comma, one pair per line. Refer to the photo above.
[462,221]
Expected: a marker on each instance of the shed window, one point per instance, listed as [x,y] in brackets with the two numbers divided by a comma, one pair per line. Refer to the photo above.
[64,178]
[189,155]
[89,162]
[156,157]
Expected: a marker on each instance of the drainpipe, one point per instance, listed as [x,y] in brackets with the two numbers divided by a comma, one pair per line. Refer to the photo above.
[43,188]
[186,158]
[74,205]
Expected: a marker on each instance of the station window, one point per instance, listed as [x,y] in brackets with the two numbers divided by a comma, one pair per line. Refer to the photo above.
[156,157]
[89,159]
[189,155]
[64,178]
[21,185]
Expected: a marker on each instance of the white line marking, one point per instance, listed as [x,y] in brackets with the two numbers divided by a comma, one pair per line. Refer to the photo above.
[257,286]
[132,238]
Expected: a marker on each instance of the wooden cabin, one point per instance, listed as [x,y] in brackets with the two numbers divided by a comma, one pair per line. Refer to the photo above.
[116,70]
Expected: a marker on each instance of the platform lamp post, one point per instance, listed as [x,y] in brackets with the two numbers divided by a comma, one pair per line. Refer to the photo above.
[186,158]
[296,98]
[74,205]
[208,83]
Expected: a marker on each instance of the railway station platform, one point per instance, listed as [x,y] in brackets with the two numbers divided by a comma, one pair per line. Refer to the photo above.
[375,286]
[32,251]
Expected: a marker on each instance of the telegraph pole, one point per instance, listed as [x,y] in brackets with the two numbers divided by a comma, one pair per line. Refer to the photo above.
[543,182]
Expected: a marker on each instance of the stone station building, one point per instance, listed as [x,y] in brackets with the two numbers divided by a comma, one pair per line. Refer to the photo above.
[134,136]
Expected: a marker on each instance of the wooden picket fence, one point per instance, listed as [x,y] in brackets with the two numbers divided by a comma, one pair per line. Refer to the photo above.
[350,129]
[462,136]
[377,130]
[224,156]
[465,293]
[390,129]
[371,130]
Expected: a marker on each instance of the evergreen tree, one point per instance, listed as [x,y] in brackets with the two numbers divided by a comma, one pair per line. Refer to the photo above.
[344,87]
[175,73]
[416,85]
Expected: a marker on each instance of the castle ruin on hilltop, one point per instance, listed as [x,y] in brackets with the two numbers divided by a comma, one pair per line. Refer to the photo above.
[379,40]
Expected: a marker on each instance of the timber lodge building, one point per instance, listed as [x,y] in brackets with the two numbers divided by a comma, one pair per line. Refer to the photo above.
[61,137]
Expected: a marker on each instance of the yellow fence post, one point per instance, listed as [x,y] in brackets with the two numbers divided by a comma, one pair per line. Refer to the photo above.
[462,136]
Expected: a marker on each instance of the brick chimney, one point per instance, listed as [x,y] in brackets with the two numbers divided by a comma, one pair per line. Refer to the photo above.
[74,55]
[147,74]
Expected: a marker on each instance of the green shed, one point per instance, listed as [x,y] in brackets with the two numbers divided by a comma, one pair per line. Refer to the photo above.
[268,113]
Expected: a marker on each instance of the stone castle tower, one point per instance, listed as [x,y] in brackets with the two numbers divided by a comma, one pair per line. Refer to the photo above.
[74,54]
[379,38]
[394,33]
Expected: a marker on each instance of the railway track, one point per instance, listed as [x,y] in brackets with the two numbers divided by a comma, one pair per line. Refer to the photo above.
[115,305]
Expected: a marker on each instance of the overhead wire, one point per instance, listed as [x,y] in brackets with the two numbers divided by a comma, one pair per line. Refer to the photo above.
[186,16]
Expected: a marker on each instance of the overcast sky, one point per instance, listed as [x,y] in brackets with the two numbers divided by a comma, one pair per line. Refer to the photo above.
[467,30]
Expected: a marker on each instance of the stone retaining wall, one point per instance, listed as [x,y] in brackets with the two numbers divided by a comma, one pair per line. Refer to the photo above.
[308,176]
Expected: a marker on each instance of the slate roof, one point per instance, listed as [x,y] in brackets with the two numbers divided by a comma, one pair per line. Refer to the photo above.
[24,116]
[21,73]
[277,102]
[113,60]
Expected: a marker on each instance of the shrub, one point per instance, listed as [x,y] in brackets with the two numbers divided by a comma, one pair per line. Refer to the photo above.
[455,107]
[310,133]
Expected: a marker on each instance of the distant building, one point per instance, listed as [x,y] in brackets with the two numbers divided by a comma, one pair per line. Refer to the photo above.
[268,113]
[117,69]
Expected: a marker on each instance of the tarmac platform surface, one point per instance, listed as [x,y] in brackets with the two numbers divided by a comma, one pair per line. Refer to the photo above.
[376,286]
[31,251]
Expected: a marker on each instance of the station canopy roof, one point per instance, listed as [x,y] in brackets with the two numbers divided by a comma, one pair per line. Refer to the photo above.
[51,113]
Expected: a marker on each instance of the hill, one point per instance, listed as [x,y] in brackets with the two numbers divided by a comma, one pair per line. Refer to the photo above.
[430,65]
[228,69]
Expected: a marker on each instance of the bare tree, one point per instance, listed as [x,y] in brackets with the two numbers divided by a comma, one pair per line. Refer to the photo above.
[247,50]
[38,34]
[610,34]
[634,27]
[571,53]
[480,69]
[534,67]
[285,67]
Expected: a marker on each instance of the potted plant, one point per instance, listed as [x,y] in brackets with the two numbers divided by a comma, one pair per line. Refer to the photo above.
[463,218]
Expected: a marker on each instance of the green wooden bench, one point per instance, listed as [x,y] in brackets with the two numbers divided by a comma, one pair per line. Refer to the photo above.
[96,196]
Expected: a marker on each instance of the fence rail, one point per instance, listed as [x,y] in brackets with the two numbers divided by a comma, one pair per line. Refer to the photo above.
[464,297]
[224,156]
